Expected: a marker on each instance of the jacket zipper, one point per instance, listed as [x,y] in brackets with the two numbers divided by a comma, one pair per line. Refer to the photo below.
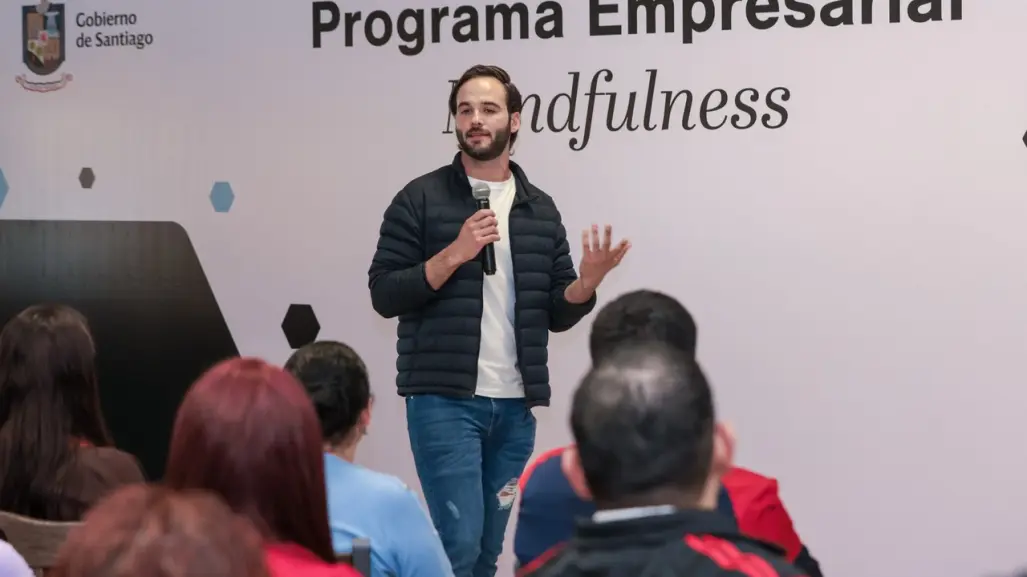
[517,290]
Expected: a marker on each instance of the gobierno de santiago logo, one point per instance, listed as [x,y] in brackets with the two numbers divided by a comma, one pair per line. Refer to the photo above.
[45,41]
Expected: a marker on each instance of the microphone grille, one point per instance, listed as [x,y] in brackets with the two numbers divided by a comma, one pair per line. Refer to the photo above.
[481,191]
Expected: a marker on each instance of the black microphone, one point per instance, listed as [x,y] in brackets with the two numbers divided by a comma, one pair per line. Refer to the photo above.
[481,192]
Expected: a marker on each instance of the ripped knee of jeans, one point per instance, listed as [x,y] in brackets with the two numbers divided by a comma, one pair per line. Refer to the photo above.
[507,494]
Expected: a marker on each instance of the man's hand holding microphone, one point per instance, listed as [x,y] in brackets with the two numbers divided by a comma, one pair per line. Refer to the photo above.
[481,229]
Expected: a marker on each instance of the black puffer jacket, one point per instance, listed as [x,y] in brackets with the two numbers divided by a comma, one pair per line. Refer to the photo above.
[440,331]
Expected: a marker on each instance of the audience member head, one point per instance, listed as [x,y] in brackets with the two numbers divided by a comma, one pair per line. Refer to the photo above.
[643,423]
[642,315]
[49,405]
[247,432]
[336,380]
[147,530]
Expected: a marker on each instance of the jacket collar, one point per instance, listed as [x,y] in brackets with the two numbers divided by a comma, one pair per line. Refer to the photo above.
[662,528]
[655,528]
[525,190]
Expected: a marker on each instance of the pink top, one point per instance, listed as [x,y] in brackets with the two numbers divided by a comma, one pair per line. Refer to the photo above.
[289,560]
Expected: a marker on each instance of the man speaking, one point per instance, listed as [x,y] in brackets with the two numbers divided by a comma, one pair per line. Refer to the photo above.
[472,341]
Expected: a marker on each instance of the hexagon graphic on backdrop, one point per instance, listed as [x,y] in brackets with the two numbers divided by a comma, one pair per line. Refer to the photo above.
[86,177]
[300,325]
[222,196]
[3,188]
[153,314]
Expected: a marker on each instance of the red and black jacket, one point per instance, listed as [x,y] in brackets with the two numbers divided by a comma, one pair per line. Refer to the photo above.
[549,508]
[694,543]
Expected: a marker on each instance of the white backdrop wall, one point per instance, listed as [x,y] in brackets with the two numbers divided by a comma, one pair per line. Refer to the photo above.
[843,213]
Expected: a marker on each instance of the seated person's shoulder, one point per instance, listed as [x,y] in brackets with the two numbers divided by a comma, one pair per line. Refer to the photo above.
[545,492]
[386,486]
[109,466]
[291,559]
[403,539]
[759,510]
[744,481]
[380,492]
[554,561]
[541,471]
[548,510]
[704,555]
[731,556]
[750,492]
[544,486]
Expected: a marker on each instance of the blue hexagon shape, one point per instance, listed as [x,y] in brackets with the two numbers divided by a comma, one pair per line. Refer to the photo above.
[222,196]
[3,187]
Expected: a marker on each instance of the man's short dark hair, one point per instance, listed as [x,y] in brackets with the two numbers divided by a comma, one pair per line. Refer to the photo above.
[335,377]
[514,100]
[642,315]
[643,420]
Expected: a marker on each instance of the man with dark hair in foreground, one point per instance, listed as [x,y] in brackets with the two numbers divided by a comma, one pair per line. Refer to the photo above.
[549,505]
[650,454]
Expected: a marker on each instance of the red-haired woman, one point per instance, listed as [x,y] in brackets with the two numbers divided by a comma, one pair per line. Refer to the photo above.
[247,431]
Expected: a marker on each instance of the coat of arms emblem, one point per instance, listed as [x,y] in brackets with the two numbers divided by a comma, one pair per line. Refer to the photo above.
[44,45]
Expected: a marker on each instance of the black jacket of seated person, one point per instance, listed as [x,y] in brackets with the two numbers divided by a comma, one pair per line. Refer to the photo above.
[683,543]
[439,332]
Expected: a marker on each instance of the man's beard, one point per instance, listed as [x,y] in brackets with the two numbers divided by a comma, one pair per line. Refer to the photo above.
[484,153]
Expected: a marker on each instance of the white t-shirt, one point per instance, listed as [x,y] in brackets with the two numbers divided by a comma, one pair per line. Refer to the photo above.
[498,375]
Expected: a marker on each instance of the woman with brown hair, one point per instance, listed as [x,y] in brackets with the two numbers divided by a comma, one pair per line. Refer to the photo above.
[55,451]
[247,431]
[152,531]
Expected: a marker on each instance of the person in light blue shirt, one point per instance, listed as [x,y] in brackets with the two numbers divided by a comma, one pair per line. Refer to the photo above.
[363,503]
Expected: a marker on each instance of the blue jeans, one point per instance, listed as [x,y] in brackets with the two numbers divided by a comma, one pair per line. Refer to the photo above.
[469,455]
